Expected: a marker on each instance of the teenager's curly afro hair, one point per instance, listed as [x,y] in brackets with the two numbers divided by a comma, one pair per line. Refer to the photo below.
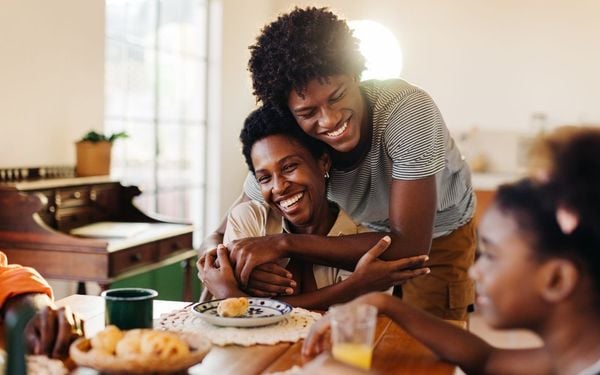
[300,46]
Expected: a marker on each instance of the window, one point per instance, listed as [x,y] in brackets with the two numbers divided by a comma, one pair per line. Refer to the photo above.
[155,90]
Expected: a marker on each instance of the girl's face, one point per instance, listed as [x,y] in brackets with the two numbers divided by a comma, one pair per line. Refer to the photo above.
[331,111]
[505,274]
[292,182]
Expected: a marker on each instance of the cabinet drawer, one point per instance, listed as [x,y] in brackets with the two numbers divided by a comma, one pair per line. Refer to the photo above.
[72,197]
[137,256]
[69,218]
[174,244]
[106,199]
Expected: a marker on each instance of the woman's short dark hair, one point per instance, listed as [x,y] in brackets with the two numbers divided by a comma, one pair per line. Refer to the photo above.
[300,46]
[266,121]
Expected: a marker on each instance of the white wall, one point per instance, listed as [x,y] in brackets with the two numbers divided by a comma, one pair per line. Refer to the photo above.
[231,100]
[51,78]
[488,63]
[493,63]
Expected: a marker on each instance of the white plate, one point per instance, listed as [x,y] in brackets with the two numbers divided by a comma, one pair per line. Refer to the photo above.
[261,312]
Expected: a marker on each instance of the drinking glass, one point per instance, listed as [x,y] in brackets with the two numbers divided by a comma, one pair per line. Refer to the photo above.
[352,332]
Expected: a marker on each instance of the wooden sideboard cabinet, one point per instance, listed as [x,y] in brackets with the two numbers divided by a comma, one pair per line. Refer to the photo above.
[36,218]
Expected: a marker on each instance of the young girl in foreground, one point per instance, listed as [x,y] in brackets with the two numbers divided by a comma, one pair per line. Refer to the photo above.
[539,269]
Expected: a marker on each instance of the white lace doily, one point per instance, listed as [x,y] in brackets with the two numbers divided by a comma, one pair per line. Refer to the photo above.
[292,328]
[42,365]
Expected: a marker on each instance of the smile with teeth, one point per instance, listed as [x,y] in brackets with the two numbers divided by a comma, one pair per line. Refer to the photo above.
[338,132]
[287,203]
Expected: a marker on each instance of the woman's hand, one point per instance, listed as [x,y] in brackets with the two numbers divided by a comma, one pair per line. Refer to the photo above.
[269,280]
[215,270]
[375,274]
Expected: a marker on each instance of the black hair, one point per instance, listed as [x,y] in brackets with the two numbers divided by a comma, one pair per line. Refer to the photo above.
[574,178]
[266,121]
[300,46]
[533,206]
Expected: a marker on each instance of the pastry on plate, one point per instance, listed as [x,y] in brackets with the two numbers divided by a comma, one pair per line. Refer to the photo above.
[233,307]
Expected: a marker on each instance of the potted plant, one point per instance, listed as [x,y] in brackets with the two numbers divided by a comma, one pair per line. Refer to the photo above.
[93,153]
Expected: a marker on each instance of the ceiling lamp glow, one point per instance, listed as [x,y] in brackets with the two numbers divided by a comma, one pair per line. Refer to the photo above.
[380,48]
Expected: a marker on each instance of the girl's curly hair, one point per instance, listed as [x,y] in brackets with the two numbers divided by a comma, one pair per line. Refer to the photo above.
[305,44]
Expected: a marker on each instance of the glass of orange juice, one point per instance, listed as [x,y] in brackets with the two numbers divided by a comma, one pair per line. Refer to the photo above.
[352,332]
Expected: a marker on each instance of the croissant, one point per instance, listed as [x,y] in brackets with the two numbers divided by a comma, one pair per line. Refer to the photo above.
[107,339]
[163,345]
[233,307]
[129,346]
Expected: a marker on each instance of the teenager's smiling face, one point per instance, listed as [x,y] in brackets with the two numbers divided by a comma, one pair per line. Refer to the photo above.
[332,111]
[292,181]
[505,273]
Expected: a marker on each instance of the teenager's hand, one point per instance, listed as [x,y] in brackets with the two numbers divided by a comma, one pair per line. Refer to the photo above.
[248,253]
[376,274]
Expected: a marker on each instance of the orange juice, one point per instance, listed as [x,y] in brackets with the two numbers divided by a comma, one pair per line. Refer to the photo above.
[358,355]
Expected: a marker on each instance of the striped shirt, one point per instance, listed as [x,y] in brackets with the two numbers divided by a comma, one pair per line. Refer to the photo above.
[410,141]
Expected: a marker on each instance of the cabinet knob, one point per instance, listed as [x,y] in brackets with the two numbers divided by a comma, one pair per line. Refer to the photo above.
[77,194]
[135,257]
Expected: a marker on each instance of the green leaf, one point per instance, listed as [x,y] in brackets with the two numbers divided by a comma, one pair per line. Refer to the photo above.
[93,136]
[116,136]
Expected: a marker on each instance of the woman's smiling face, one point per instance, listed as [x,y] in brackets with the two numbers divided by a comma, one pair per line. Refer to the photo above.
[292,181]
[505,273]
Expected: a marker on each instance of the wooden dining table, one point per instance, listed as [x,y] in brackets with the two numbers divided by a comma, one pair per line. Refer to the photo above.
[395,352]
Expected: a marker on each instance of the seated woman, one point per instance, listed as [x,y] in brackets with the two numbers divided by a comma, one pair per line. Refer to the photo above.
[292,170]
[539,269]
[52,330]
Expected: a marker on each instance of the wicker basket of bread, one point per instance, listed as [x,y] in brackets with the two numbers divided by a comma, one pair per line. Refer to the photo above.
[139,351]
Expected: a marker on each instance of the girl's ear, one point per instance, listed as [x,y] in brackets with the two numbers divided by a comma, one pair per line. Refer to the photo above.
[558,280]
[325,163]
